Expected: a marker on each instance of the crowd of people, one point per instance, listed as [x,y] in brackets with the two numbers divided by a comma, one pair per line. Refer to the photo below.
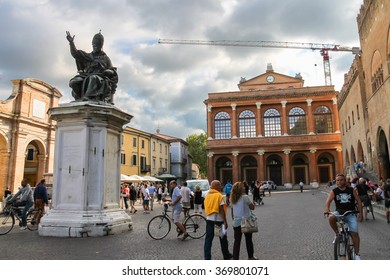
[214,205]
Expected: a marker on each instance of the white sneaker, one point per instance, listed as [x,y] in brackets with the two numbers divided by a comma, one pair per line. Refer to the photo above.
[23,228]
[357,258]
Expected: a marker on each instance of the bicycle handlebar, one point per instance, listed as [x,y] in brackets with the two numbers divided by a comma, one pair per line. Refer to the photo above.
[341,215]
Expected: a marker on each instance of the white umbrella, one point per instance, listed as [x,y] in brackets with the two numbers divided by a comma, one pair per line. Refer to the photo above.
[125,178]
[136,178]
[151,179]
[132,178]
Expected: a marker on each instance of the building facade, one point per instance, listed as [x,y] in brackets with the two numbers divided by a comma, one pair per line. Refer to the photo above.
[135,152]
[364,100]
[181,160]
[27,134]
[143,153]
[274,128]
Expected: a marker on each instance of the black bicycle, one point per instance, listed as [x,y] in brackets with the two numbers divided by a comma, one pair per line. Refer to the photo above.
[159,226]
[9,214]
[343,245]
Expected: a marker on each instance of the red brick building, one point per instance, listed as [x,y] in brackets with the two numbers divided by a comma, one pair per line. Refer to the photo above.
[274,128]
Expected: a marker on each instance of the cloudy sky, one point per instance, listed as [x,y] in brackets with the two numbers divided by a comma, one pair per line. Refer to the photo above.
[164,86]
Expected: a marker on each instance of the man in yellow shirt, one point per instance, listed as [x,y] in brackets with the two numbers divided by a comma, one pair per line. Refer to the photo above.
[215,208]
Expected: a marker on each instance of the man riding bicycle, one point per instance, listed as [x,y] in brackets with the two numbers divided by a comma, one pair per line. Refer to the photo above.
[24,197]
[345,198]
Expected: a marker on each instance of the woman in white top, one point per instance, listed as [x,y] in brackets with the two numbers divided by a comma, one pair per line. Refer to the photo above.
[241,207]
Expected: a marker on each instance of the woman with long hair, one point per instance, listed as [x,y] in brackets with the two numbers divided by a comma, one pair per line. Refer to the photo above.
[241,207]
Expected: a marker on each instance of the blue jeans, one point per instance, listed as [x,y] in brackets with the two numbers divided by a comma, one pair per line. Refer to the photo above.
[27,205]
[208,242]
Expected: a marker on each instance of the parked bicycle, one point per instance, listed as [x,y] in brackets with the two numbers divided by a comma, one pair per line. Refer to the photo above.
[342,245]
[159,226]
[9,214]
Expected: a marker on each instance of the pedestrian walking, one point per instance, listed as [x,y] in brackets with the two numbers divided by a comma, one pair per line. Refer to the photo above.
[215,208]
[40,200]
[242,206]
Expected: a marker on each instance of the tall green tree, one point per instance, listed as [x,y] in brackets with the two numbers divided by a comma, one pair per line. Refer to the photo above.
[197,149]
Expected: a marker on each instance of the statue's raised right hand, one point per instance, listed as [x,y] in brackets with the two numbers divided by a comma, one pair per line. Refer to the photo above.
[69,37]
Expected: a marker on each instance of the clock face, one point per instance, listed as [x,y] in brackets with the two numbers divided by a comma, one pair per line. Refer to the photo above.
[270,79]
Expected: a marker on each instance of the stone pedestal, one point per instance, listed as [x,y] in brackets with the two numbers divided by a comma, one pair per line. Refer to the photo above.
[86,182]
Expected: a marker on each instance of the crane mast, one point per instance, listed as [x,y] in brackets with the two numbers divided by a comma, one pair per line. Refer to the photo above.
[324,48]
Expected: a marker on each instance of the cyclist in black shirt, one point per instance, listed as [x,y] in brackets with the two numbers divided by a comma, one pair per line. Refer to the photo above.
[345,198]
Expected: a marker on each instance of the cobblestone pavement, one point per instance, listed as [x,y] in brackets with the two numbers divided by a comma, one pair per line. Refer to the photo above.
[291,227]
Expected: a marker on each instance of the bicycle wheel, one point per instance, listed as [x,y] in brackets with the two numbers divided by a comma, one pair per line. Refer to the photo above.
[339,248]
[7,222]
[351,250]
[195,226]
[31,223]
[159,227]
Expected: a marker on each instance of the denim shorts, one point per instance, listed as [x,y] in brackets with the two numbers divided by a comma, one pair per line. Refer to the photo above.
[176,215]
[351,220]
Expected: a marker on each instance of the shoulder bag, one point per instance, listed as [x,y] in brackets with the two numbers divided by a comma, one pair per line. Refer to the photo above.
[249,224]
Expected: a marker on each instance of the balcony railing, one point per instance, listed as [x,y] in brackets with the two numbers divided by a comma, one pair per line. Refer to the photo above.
[145,168]
[161,171]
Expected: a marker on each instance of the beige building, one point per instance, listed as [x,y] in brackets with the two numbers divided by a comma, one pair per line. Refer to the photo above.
[27,134]
[143,153]
[364,100]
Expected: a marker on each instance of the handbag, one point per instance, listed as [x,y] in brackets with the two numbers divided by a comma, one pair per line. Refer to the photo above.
[217,230]
[249,224]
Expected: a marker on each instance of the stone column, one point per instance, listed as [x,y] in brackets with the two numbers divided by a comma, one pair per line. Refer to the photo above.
[234,121]
[336,124]
[339,162]
[313,167]
[284,118]
[235,166]
[210,123]
[86,179]
[210,166]
[260,165]
[259,120]
[287,168]
[309,119]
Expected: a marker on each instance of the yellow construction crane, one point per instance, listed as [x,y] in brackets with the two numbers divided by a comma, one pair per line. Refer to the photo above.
[323,48]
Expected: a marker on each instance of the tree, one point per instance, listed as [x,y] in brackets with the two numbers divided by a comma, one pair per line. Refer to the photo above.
[197,149]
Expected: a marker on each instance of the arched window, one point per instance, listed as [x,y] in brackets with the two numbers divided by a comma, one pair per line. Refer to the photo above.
[323,120]
[222,126]
[297,121]
[357,112]
[247,124]
[272,123]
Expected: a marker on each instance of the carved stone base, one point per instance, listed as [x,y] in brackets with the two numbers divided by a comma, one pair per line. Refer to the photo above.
[63,223]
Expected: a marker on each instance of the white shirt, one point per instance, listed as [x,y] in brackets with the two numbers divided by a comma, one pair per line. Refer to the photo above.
[185,194]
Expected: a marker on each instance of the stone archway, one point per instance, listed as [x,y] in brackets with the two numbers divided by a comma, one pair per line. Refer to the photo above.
[383,155]
[346,158]
[353,156]
[224,170]
[300,168]
[4,163]
[34,163]
[360,152]
[248,168]
[326,168]
[274,167]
